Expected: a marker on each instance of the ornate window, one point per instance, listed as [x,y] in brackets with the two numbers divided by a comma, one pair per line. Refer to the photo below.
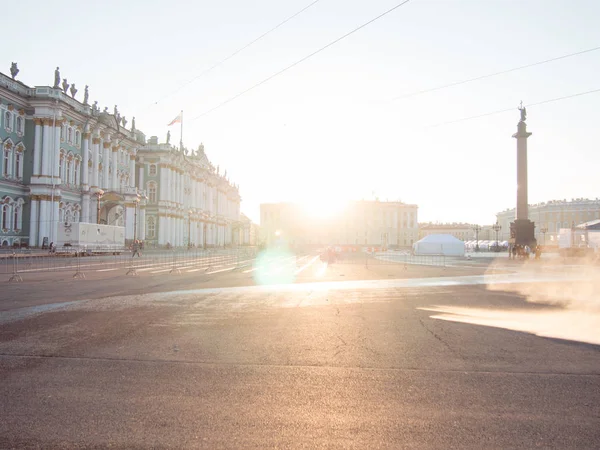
[16,221]
[5,216]
[152,170]
[8,120]
[6,163]
[152,192]
[76,215]
[61,166]
[78,138]
[76,173]
[20,127]
[150,228]
[68,216]
[18,165]
[70,135]
[62,133]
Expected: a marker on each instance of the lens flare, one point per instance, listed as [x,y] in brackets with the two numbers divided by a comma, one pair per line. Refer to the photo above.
[275,266]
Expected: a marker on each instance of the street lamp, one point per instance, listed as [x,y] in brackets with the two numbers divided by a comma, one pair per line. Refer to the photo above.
[476,229]
[496,227]
[544,230]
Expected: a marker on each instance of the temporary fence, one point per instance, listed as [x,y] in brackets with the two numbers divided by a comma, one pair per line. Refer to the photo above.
[390,258]
[19,264]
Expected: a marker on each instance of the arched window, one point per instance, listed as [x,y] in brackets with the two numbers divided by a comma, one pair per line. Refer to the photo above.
[18,165]
[68,217]
[62,133]
[6,163]
[8,120]
[152,170]
[77,138]
[76,173]
[16,221]
[69,174]
[70,135]
[5,216]
[19,125]
[61,166]
[150,227]
[76,215]
[61,213]
[152,192]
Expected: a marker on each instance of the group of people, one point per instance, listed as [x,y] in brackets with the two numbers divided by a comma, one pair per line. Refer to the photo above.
[524,252]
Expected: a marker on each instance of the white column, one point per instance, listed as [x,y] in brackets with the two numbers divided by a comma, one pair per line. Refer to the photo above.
[85,209]
[115,162]
[54,224]
[162,223]
[141,178]
[105,163]
[56,152]
[46,149]
[43,224]
[132,170]
[33,220]
[142,223]
[37,152]
[85,149]
[95,161]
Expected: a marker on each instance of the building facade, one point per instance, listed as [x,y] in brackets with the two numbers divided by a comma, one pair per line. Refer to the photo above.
[550,217]
[360,224]
[64,160]
[463,231]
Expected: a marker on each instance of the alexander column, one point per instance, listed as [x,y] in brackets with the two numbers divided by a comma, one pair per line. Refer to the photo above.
[522,230]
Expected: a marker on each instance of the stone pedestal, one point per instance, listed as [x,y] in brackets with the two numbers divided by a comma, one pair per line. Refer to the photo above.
[522,232]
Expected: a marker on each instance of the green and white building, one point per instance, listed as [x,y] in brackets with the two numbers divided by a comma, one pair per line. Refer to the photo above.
[64,160]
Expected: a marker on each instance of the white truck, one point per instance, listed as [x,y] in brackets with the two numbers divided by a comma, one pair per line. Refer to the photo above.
[90,238]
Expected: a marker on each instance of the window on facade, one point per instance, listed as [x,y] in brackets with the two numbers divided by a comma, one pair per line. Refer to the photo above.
[152,170]
[152,192]
[16,212]
[77,138]
[61,168]
[68,217]
[76,216]
[6,165]
[18,165]
[20,125]
[7,120]
[62,133]
[150,228]
[69,170]
[70,135]
[76,172]
[4,216]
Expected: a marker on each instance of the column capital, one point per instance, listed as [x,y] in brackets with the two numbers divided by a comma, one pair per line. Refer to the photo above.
[115,148]
[38,121]
[106,144]
[95,140]
[87,135]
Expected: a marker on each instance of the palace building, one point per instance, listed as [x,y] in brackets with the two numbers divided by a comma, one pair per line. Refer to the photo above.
[64,160]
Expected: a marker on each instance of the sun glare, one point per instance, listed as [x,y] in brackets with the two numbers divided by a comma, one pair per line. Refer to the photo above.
[324,207]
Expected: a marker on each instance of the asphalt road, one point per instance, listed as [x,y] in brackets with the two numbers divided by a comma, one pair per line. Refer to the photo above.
[410,357]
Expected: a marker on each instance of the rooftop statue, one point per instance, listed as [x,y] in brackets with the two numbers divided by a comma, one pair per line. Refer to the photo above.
[65,86]
[133,124]
[86,95]
[73,90]
[14,70]
[95,107]
[57,78]
[169,137]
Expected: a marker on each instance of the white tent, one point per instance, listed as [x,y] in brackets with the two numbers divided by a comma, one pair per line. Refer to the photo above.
[439,244]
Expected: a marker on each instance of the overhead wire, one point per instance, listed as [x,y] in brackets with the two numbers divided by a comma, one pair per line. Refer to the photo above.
[551,100]
[489,75]
[301,60]
[214,66]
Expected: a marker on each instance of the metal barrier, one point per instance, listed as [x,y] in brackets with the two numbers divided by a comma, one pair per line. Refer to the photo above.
[173,261]
[390,258]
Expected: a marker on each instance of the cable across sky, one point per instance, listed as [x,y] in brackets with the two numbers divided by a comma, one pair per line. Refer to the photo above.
[551,100]
[335,41]
[489,75]
[241,49]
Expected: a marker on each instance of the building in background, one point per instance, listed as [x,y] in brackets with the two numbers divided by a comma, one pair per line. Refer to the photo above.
[66,160]
[359,224]
[550,217]
[463,231]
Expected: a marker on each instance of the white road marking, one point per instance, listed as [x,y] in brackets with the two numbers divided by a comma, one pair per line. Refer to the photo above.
[221,270]
[109,270]
[308,264]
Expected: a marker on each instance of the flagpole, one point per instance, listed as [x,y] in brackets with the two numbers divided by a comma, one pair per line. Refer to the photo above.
[181,134]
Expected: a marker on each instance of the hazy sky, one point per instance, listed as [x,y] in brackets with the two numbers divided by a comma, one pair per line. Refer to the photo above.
[328,128]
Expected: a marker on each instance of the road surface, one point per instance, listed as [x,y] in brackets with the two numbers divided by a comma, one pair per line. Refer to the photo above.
[344,357]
